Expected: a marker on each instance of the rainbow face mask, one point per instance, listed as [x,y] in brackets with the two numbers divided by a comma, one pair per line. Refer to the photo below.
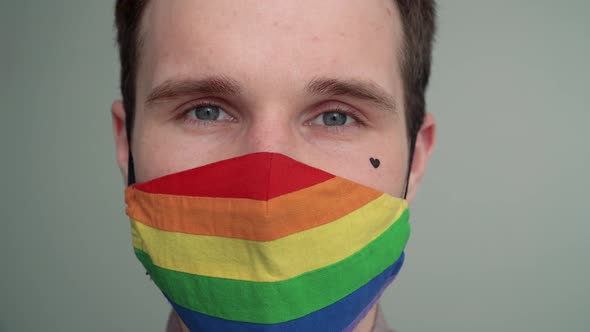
[265,243]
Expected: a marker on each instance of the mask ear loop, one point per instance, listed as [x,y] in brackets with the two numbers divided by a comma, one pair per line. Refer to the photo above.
[130,171]
[412,146]
[130,166]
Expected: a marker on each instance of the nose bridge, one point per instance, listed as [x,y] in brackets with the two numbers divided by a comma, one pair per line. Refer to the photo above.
[270,130]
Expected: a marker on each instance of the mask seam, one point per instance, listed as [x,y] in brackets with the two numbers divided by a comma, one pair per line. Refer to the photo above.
[270,163]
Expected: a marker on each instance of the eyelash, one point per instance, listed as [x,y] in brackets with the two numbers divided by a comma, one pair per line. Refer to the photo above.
[357,116]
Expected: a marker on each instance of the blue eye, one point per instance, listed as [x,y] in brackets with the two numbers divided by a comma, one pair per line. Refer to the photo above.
[332,119]
[206,113]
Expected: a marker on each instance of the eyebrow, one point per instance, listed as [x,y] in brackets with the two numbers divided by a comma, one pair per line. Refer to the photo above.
[170,89]
[354,88]
[222,85]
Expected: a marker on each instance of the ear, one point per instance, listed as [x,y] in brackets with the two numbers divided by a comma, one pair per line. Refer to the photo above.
[120,134]
[424,145]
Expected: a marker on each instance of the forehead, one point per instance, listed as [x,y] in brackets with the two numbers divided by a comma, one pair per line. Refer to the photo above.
[270,43]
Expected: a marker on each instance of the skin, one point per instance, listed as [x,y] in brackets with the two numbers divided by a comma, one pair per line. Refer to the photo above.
[271,50]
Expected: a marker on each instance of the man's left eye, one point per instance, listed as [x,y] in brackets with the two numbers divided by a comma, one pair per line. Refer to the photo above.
[332,119]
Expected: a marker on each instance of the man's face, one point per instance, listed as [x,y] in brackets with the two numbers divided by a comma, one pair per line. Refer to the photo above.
[318,81]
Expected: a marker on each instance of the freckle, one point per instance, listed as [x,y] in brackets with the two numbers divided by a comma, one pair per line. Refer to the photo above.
[315,39]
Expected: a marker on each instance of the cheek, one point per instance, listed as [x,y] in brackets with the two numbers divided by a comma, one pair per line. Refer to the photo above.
[153,158]
[159,150]
[355,164]
[389,177]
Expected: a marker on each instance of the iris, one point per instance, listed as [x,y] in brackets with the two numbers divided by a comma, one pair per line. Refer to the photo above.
[206,113]
[334,118]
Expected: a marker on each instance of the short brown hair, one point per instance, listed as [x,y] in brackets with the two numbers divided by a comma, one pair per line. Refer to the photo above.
[419,26]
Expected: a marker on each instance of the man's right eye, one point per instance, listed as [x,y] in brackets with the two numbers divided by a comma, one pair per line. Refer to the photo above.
[206,113]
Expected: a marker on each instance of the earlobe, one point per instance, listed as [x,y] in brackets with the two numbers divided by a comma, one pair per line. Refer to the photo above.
[423,149]
[120,135]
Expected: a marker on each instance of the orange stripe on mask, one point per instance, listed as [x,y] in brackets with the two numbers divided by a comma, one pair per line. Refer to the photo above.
[245,218]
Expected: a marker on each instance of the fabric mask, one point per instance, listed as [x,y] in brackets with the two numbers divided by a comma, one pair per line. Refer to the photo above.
[265,243]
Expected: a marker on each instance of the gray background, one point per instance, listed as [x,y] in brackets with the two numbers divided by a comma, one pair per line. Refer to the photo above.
[500,227]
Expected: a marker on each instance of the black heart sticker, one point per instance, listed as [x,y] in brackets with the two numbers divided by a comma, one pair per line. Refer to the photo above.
[375,162]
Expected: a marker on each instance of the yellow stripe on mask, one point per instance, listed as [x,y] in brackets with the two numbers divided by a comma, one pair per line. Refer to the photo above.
[269,261]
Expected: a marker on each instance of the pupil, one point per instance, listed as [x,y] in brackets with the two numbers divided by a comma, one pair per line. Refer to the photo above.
[334,119]
[207,113]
